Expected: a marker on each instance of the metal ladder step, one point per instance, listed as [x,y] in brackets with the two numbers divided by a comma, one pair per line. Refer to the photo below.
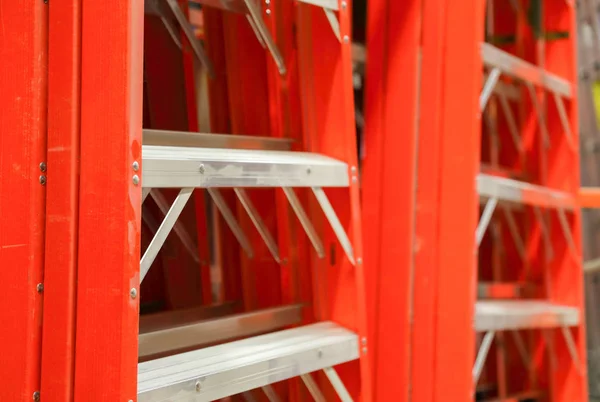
[500,315]
[181,167]
[232,368]
[509,190]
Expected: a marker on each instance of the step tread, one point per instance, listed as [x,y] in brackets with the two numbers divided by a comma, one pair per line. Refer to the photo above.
[497,315]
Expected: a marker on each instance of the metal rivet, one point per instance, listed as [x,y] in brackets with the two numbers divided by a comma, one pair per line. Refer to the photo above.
[267,2]
[135,166]
[364,340]
[43,166]
[201,169]
[136,179]
[344,5]
[353,169]
[346,39]
[364,350]
[40,287]
[268,12]
[308,171]
[359,260]
[320,353]
[133,293]
[198,386]
[354,179]
[36,396]
[43,180]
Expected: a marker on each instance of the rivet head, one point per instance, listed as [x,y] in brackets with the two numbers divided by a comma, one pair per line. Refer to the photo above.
[135,166]
[364,340]
[43,180]
[359,260]
[201,169]
[354,179]
[320,353]
[136,179]
[36,396]
[198,386]
[268,12]
[308,171]
[346,39]
[344,5]
[353,169]
[39,287]
[364,350]
[133,293]
[43,166]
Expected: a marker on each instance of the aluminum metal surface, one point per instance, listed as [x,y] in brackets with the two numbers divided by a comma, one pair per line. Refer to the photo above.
[177,167]
[498,315]
[220,371]
[489,186]
[198,333]
[210,140]
[522,70]
[173,318]
[330,4]
[237,6]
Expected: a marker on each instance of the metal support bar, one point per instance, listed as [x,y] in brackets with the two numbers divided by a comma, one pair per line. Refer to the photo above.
[189,34]
[171,30]
[145,193]
[510,120]
[521,348]
[333,22]
[562,217]
[538,110]
[482,355]
[545,232]
[313,388]
[239,234]
[485,219]
[179,229]
[255,14]
[271,394]
[488,88]
[256,32]
[514,232]
[564,119]
[262,229]
[572,348]
[163,231]
[335,223]
[304,221]
[337,384]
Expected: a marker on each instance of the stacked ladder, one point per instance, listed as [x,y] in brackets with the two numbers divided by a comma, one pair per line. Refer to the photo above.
[282,206]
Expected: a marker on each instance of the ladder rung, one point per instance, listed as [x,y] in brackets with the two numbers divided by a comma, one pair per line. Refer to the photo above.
[210,140]
[179,167]
[220,371]
[510,190]
[330,4]
[523,314]
[525,71]
[236,6]
[198,333]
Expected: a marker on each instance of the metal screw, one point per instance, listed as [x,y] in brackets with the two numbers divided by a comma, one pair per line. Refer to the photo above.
[135,166]
[43,180]
[40,287]
[201,169]
[36,396]
[136,179]
[359,260]
[43,166]
[344,5]
[198,386]
[133,293]
[346,39]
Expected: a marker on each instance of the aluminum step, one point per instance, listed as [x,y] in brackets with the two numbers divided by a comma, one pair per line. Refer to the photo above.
[503,189]
[524,71]
[181,167]
[220,371]
[500,315]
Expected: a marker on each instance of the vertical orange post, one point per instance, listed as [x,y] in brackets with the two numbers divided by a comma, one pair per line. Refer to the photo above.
[458,203]
[23,51]
[60,272]
[110,201]
[388,189]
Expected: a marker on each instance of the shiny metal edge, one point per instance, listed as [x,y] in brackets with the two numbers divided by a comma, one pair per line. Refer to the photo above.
[209,140]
